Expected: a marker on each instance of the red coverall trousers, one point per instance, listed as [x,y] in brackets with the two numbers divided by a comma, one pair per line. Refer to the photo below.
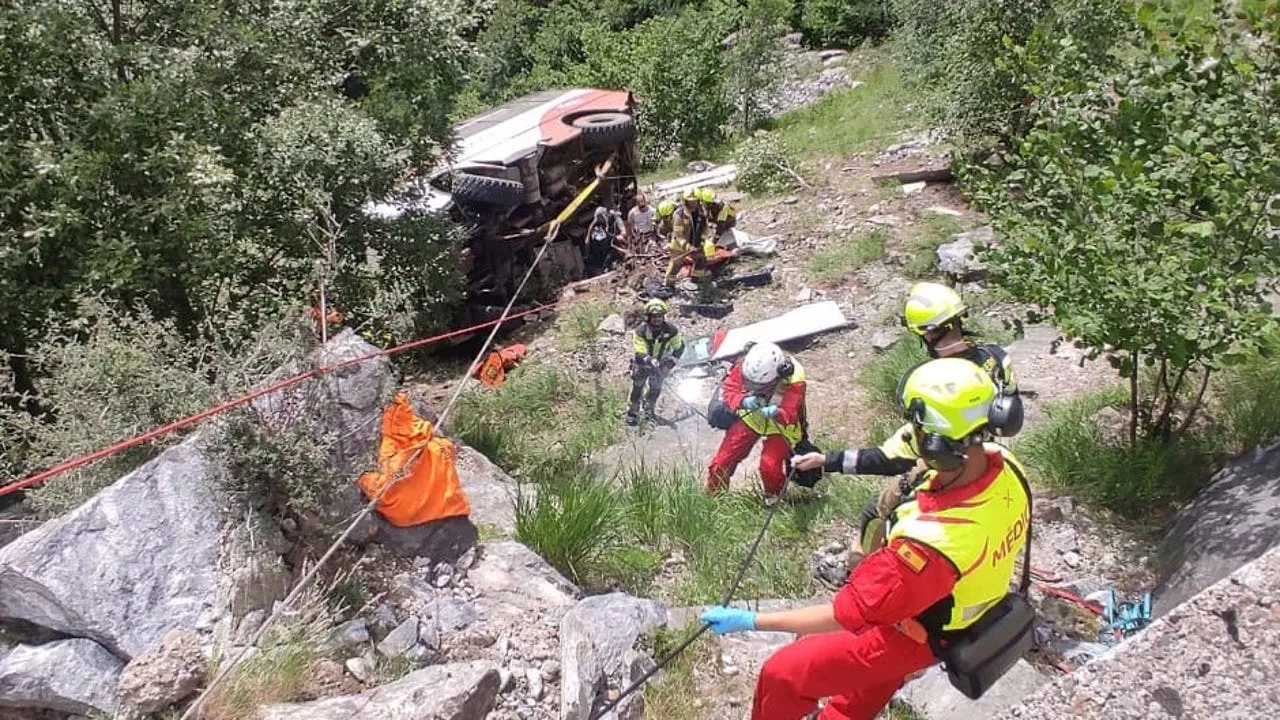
[859,672]
[734,448]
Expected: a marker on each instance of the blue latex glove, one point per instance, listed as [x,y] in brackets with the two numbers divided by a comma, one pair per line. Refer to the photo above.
[751,402]
[727,620]
[770,411]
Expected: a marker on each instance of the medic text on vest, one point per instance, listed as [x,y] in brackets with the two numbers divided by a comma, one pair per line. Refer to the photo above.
[1016,531]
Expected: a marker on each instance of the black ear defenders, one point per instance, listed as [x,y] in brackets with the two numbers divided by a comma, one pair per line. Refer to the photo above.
[786,368]
[939,451]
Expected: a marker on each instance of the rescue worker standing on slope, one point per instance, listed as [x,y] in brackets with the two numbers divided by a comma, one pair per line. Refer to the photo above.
[766,389]
[935,313]
[657,344]
[950,558]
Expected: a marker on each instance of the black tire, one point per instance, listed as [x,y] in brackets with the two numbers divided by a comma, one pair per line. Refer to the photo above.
[491,191]
[605,129]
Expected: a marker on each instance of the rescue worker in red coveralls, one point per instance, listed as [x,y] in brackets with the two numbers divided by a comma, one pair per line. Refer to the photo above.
[766,389]
[949,559]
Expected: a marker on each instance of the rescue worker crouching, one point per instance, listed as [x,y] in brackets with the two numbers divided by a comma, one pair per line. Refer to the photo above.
[691,241]
[935,313]
[722,215]
[766,389]
[657,344]
[949,561]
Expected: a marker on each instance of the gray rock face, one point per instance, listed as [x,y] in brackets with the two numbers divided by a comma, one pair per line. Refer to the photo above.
[514,584]
[1233,520]
[596,637]
[460,691]
[142,557]
[72,676]
[1211,657]
[614,325]
[136,560]
[490,491]
[957,257]
[454,614]
[401,640]
[932,697]
[162,677]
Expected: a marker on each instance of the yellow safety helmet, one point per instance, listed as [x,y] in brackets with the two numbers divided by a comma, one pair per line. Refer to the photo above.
[930,306]
[706,195]
[948,397]
[666,208]
[691,194]
[656,307]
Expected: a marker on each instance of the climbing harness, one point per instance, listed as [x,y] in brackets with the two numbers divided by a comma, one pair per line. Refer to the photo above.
[775,502]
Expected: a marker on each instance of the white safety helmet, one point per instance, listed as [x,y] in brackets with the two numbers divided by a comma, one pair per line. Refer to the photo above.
[763,363]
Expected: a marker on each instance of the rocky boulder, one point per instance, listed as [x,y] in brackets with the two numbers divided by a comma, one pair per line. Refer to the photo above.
[154,551]
[157,679]
[459,691]
[71,676]
[490,491]
[1233,520]
[597,638]
[933,698]
[513,585]
[958,258]
[136,560]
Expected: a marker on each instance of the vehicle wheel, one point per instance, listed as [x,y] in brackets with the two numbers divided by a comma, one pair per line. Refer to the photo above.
[483,189]
[605,129]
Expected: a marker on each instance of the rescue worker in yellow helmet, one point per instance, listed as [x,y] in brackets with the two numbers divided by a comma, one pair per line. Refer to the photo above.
[666,209]
[949,561]
[657,345]
[692,239]
[934,312]
[723,215]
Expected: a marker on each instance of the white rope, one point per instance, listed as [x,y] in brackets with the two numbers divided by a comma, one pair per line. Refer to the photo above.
[306,580]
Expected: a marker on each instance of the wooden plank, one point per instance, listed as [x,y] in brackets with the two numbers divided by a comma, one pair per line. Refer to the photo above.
[942,174]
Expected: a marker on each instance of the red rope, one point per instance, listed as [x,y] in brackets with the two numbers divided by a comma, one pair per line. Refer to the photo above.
[231,404]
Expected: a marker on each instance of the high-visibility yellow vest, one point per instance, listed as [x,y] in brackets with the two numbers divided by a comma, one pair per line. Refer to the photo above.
[767,426]
[981,536]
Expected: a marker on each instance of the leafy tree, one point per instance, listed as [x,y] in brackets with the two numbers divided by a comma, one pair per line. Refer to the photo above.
[1138,212]
[845,22]
[681,97]
[973,55]
[140,155]
[754,60]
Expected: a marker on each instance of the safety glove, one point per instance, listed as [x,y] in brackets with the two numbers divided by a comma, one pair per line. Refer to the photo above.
[725,620]
[770,411]
[751,402]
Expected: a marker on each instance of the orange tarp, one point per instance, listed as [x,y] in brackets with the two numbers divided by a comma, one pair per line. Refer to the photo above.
[429,489]
[494,368]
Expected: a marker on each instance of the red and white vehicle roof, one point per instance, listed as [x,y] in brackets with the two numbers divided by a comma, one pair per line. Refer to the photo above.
[505,134]
[502,136]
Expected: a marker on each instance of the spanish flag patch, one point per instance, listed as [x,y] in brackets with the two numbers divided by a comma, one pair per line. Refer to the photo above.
[913,559]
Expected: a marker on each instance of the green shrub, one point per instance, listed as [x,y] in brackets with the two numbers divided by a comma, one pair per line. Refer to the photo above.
[570,522]
[764,165]
[579,326]
[845,22]
[983,60]
[838,261]
[117,375]
[1247,401]
[880,377]
[1069,451]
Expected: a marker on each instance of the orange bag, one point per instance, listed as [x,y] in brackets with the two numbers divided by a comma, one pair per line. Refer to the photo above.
[494,368]
[429,490]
